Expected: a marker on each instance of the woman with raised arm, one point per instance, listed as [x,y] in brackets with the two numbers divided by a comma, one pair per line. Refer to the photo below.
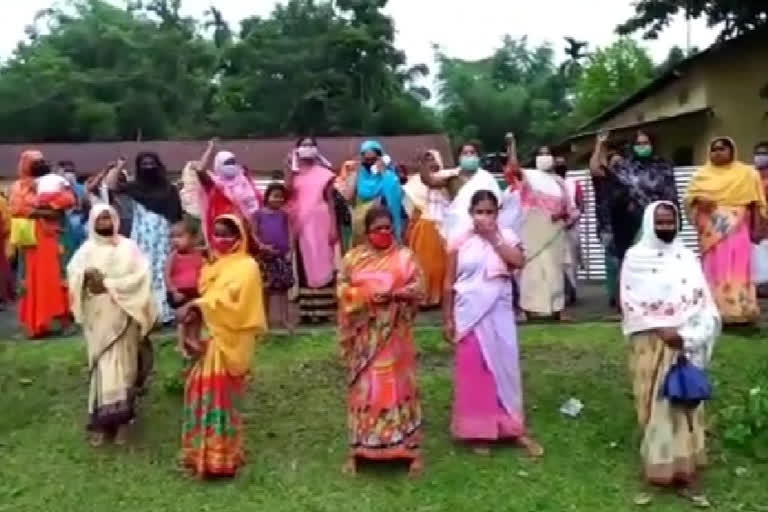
[480,321]
[547,212]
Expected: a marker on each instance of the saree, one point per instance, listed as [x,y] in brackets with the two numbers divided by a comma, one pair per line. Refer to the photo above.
[151,232]
[312,225]
[115,323]
[383,403]
[488,396]
[7,281]
[542,279]
[724,235]
[41,280]
[663,286]
[373,188]
[231,304]
[423,237]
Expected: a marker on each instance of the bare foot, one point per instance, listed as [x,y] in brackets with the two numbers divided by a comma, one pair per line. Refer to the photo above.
[697,499]
[416,469]
[532,448]
[96,439]
[350,466]
[482,449]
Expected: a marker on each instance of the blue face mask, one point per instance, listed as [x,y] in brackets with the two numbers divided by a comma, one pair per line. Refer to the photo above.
[469,163]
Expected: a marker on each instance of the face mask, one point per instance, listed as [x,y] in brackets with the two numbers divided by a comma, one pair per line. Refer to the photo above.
[469,163]
[105,232]
[666,236]
[561,170]
[381,239]
[229,170]
[40,168]
[307,152]
[761,161]
[643,150]
[545,162]
[224,245]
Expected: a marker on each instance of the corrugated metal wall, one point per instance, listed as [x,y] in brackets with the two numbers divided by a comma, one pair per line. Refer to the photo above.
[592,251]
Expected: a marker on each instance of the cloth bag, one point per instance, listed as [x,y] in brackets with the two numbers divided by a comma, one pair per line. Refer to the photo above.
[23,232]
[686,386]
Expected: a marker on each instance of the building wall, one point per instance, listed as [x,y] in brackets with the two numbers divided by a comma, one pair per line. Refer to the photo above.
[734,81]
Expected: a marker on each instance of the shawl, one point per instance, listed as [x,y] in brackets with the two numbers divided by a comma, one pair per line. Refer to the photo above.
[417,196]
[458,219]
[239,189]
[23,192]
[232,304]
[662,285]
[383,185]
[127,274]
[735,184]
[156,195]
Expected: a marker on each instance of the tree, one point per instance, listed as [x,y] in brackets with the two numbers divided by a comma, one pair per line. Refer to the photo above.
[518,88]
[735,16]
[611,74]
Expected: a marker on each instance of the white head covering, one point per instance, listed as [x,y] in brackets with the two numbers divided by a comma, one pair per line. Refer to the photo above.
[662,285]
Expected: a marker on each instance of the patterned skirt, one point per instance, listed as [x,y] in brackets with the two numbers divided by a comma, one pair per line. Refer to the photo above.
[277,272]
[212,432]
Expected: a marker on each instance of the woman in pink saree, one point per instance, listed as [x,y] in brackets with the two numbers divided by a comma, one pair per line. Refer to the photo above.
[480,320]
[313,218]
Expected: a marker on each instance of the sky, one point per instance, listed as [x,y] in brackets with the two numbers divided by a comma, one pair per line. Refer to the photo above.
[465,29]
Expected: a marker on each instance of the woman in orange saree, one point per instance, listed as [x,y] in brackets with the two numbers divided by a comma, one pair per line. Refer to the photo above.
[42,283]
[380,286]
[725,200]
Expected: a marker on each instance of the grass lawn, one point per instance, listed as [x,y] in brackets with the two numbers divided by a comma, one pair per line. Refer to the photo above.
[296,436]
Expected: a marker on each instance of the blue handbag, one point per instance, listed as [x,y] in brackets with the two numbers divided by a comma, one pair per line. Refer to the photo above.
[686,386]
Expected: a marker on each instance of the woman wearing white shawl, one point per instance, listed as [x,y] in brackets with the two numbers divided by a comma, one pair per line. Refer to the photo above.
[110,295]
[668,310]
[461,184]
[426,209]
[547,212]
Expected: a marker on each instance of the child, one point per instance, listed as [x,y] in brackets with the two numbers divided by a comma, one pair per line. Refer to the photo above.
[274,235]
[182,271]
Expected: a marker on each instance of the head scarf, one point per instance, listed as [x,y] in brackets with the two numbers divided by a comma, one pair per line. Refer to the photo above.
[126,270]
[26,161]
[416,195]
[233,182]
[733,184]
[383,185]
[155,192]
[23,197]
[662,285]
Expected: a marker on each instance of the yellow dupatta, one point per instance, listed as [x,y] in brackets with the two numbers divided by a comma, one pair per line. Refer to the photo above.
[232,304]
[735,184]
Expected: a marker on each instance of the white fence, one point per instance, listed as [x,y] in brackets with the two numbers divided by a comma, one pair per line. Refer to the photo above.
[592,251]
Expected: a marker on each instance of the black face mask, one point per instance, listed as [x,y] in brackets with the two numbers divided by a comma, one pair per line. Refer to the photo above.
[666,235]
[40,168]
[110,231]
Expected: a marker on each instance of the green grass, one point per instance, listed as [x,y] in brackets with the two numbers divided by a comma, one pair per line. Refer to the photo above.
[296,437]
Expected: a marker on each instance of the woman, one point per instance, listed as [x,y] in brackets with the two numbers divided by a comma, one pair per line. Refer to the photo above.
[226,190]
[425,208]
[633,183]
[668,311]
[312,213]
[231,306]
[548,212]
[380,286]
[346,191]
[41,258]
[7,281]
[154,207]
[111,296]
[480,320]
[375,182]
[461,185]
[726,201]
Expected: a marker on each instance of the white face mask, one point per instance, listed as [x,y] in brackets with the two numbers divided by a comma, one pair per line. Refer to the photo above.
[230,170]
[306,152]
[545,163]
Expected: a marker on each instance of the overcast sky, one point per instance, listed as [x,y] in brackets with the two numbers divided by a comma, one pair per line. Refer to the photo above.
[466,29]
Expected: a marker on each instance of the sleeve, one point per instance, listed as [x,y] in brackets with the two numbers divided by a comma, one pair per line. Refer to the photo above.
[699,334]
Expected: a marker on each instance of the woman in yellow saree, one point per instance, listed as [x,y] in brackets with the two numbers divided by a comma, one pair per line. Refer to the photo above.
[725,200]
[380,286]
[231,306]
